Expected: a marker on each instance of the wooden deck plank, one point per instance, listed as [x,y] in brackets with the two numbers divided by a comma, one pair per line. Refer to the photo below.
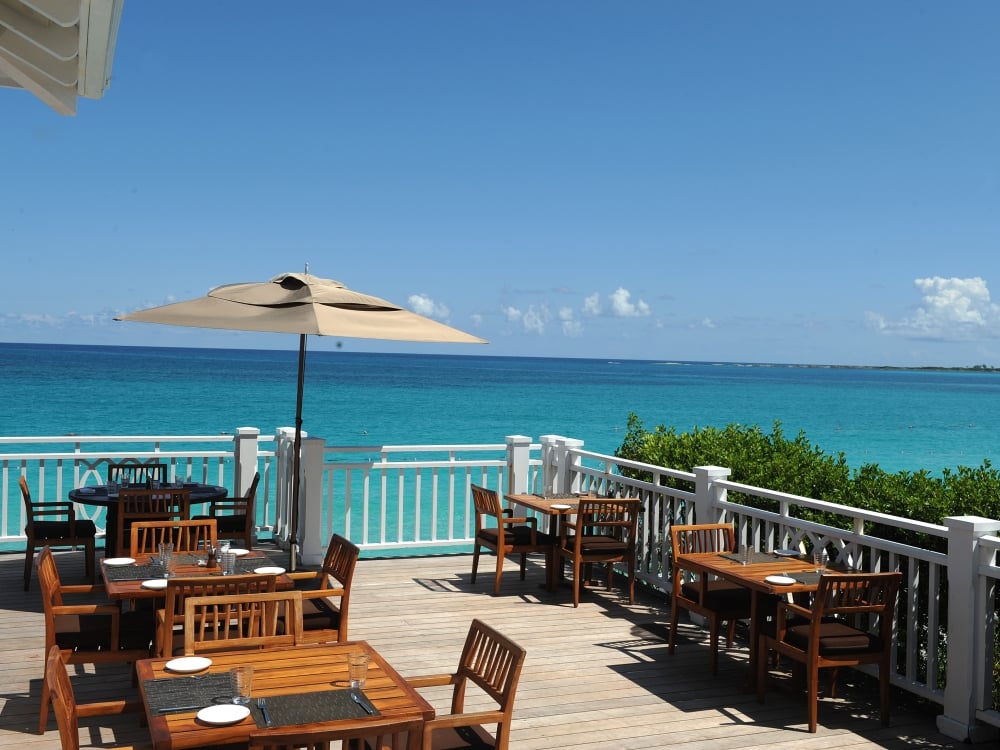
[595,677]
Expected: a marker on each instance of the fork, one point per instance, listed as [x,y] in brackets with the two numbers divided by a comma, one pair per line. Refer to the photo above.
[262,705]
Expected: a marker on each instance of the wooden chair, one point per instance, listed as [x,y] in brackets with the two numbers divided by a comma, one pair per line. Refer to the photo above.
[170,619]
[64,703]
[323,620]
[133,473]
[717,601]
[240,621]
[54,524]
[603,531]
[497,529]
[491,662]
[236,516]
[135,505]
[87,633]
[849,623]
[375,733]
[186,536]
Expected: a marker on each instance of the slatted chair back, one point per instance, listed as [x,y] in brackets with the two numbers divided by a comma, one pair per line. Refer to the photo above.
[375,733]
[499,530]
[241,621]
[87,633]
[134,473]
[716,601]
[134,505]
[326,593]
[179,590]
[186,536]
[54,524]
[603,531]
[237,516]
[63,700]
[850,623]
[492,662]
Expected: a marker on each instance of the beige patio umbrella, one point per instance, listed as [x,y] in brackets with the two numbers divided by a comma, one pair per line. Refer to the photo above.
[303,304]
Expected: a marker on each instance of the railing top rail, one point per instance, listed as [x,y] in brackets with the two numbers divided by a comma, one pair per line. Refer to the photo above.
[416,448]
[380,465]
[78,455]
[686,476]
[847,535]
[845,510]
[222,438]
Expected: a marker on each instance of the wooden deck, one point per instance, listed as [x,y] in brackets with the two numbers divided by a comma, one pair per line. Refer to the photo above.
[595,677]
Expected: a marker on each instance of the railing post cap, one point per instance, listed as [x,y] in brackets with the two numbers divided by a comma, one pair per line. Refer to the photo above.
[518,440]
[716,472]
[247,431]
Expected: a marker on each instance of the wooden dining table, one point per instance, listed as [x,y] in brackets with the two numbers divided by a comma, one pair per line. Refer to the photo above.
[135,580]
[303,685]
[555,508]
[799,574]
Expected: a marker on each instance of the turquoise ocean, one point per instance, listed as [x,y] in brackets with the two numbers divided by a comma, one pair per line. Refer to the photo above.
[899,419]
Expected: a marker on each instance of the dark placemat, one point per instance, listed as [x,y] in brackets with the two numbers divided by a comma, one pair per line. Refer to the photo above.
[132,572]
[304,708]
[806,578]
[758,557]
[181,693]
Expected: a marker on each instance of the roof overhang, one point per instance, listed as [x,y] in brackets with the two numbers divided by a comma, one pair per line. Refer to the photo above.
[58,49]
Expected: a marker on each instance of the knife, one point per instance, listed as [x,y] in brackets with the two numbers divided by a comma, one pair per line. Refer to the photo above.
[171,709]
[361,702]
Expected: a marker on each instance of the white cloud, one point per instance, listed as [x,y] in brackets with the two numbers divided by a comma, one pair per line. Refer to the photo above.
[512,314]
[424,305]
[592,304]
[708,323]
[535,319]
[477,319]
[950,310]
[622,306]
[570,326]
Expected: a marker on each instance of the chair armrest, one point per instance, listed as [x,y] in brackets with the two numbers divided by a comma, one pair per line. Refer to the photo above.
[431,680]
[795,609]
[303,575]
[464,720]
[83,588]
[320,593]
[87,609]
[530,520]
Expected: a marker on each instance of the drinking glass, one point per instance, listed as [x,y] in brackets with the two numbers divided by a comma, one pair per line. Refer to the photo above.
[241,680]
[357,669]
[167,559]
[819,559]
[746,555]
[228,563]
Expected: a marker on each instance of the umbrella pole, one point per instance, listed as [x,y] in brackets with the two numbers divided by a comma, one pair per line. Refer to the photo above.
[293,542]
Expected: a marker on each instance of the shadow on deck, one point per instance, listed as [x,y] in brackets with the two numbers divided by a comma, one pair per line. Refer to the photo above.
[596,676]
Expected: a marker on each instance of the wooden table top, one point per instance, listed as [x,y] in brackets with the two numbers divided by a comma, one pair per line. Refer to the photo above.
[753,576]
[133,588]
[547,505]
[282,671]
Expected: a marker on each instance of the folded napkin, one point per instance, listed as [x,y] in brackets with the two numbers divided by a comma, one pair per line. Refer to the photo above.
[86,490]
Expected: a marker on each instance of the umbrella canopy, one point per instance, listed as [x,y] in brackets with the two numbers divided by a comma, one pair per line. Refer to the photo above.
[304,304]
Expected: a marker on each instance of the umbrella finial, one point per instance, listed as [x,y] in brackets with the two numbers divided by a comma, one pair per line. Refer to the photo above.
[307,267]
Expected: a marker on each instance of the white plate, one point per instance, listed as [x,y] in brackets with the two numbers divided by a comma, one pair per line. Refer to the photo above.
[224,713]
[780,580]
[155,583]
[188,664]
[269,570]
[560,506]
[239,551]
[86,490]
[787,552]
[119,560]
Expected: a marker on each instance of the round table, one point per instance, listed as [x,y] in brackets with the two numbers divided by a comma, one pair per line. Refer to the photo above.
[97,495]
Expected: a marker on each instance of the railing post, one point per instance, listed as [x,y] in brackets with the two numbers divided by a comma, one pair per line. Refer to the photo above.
[518,453]
[550,459]
[245,447]
[966,657]
[312,545]
[569,478]
[707,495]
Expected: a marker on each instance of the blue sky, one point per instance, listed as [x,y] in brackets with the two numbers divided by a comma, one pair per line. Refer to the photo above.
[731,181]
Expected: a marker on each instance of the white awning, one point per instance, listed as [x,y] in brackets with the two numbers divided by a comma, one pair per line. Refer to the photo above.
[58,49]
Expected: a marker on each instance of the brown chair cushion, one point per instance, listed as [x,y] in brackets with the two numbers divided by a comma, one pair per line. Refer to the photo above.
[319,614]
[834,637]
[92,632]
[60,529]
[516,535]
[602,545]
[227,524]
[721,597]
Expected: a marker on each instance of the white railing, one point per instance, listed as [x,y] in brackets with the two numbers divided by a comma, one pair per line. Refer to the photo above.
[417,498]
